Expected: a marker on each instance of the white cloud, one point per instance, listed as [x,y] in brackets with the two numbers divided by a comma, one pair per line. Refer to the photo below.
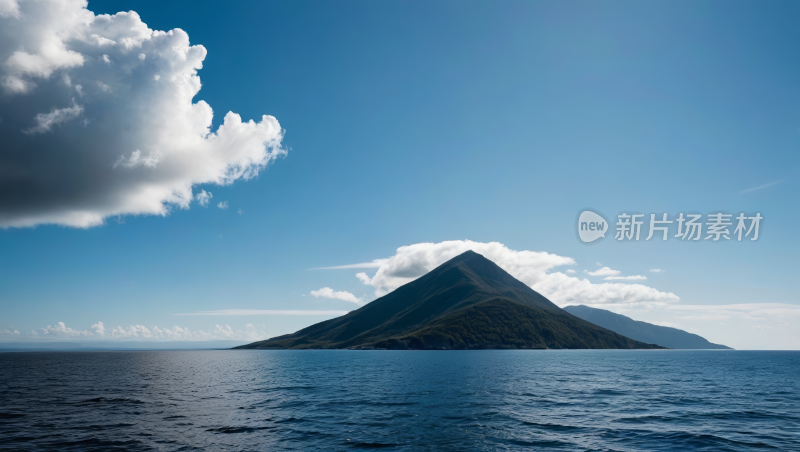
[411,262]
[364,278]
[7,332]
[223,205]
[625,278]
[741,311]
[760,187]
[133,331]
[374,264]
[94,129]
[46,121]
[60,330]
[744,311]
[530,267]
[613,275]
[99,329]
[136,159]
[570,271]
[203,197]
[9,8]
[565,290]
[240,211]
[656,270]
[141,332]
[265,312]
[605,271]
[327,292]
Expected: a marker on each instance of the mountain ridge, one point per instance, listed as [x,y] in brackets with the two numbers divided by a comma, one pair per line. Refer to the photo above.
[642,331]
[458,305]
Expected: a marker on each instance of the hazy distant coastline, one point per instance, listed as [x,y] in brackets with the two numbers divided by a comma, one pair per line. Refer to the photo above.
[115,345]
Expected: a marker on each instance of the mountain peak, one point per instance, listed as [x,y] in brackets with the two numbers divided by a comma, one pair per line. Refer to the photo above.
[466,257]
[467,302]
[487,271]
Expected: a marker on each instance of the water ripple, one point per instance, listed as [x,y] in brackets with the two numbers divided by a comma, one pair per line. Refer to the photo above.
[405,401]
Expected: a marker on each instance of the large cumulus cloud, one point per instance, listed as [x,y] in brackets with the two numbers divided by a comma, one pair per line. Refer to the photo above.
[97,118]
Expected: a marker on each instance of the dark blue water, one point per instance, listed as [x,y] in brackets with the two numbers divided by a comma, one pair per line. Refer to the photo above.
[400,400]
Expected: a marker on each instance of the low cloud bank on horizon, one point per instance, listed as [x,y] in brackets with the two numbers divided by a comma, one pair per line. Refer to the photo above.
[265,312]
[98,121]
[99,331]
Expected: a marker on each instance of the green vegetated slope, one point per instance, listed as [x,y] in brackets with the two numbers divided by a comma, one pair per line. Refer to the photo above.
[466,303]
[503,323]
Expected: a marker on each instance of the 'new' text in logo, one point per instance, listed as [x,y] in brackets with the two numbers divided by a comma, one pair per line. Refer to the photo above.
[591,226]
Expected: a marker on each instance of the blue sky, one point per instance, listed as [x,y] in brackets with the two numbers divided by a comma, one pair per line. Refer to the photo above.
[410,123]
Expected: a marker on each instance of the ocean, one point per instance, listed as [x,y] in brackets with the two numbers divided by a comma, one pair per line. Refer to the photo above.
[566,400]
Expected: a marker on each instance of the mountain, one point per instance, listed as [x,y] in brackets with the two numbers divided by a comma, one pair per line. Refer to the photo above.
[466,303]
[643,331]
